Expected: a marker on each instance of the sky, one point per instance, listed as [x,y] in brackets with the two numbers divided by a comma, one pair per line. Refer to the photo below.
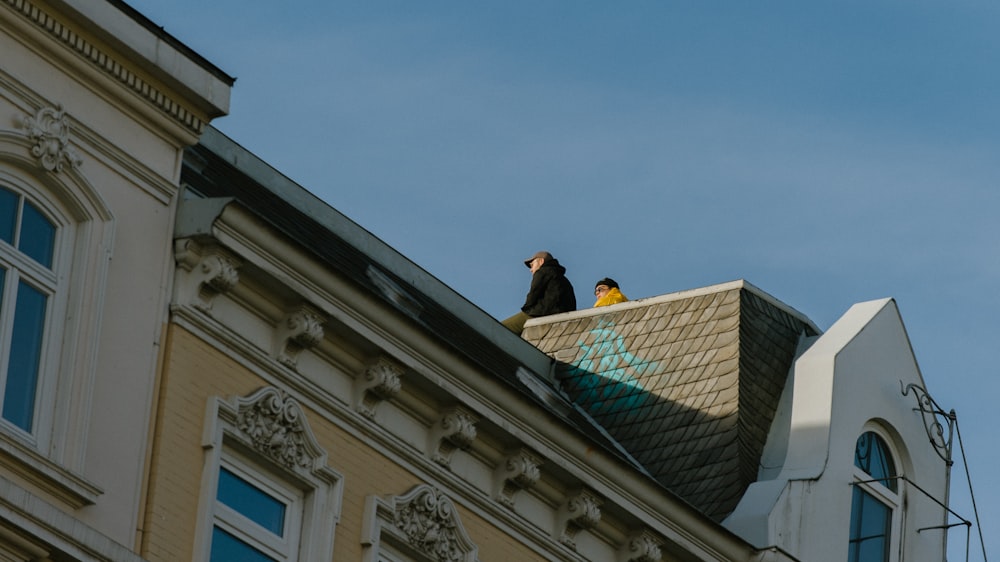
[827,152]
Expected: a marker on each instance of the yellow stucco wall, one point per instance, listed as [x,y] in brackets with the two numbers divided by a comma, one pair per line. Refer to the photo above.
[195,372]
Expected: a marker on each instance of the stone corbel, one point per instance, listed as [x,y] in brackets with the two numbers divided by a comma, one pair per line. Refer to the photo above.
[203,273]
[582,510]
[380,381]
[641,546]
[297,331]
[48,129]
[455,430]
[518,471]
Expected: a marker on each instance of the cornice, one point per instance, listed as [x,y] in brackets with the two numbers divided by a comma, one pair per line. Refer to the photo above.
[71,489]
[644,500]
[106,64]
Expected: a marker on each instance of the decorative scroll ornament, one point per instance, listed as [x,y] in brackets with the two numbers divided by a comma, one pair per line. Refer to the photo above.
[455,430]
[379,382]
[204,272]
[49,130]
[428,520]
[220,273]
[933,416]
[299,330]
[641,547]
[581,511]
[274,424]
[518,471]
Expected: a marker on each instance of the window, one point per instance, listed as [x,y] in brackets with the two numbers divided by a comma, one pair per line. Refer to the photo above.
[874,502]
[27,284]
[267,492]
[56,240]
[255,517]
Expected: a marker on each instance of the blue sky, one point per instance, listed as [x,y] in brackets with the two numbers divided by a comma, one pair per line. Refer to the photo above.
[828,153]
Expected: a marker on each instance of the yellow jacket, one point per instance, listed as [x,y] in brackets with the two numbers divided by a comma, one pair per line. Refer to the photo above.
[614,296]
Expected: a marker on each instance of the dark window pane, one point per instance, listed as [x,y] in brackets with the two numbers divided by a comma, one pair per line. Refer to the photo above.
[8,215]
[227,548]
[25,353]
[38,235]
[871,454]
[870,528]
[252,502]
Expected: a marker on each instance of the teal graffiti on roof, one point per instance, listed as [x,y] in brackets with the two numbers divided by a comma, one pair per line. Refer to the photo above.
[606,378]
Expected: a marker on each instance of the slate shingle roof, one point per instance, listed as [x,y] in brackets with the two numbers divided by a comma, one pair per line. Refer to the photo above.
[687,383]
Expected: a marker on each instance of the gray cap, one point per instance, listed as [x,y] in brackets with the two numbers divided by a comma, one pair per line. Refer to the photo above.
[539,254]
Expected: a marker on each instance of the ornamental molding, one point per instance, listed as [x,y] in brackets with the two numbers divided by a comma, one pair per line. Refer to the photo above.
[456,429]
[48,131]
[518,471]
[424,519]
[581,510]
[274,425]
[299,330]
[379,382]
[105,63]
[642,546]
[269,429]
[203,273]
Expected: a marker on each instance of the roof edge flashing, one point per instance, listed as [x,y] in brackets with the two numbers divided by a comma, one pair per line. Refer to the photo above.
[197,216]
[386,257]
[148,45]
[739,284]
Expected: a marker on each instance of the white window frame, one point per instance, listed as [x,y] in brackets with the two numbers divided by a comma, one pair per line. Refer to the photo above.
[313,491]
[52,454]
[881,493]
[50,282]
[281,547]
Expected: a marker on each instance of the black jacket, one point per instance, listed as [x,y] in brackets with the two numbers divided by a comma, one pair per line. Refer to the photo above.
[551,292]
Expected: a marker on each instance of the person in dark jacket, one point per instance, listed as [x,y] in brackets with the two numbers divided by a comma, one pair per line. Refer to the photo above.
[550,292]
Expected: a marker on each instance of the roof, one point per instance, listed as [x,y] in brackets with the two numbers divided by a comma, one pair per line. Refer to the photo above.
[688,383]
[682,387]
[225,174]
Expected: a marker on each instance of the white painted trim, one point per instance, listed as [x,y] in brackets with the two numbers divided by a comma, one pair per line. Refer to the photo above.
[321,486]
[52,527]
[81,264]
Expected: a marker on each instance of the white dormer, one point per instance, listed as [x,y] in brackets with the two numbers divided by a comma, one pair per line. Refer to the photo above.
[849,472]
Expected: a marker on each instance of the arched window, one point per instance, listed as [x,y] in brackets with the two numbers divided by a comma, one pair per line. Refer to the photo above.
[56,238]
[27,284]
[875,501]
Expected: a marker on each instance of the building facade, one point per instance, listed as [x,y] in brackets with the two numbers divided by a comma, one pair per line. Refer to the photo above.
[199,360]
[97,107]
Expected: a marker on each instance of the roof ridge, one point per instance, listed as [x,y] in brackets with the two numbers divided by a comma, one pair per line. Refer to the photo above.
[675,296]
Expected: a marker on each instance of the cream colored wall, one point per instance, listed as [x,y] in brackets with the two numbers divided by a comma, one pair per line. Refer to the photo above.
[130,150]
[195,372]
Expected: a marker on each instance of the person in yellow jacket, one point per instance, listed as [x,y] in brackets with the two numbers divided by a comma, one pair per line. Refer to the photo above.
[607,292]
